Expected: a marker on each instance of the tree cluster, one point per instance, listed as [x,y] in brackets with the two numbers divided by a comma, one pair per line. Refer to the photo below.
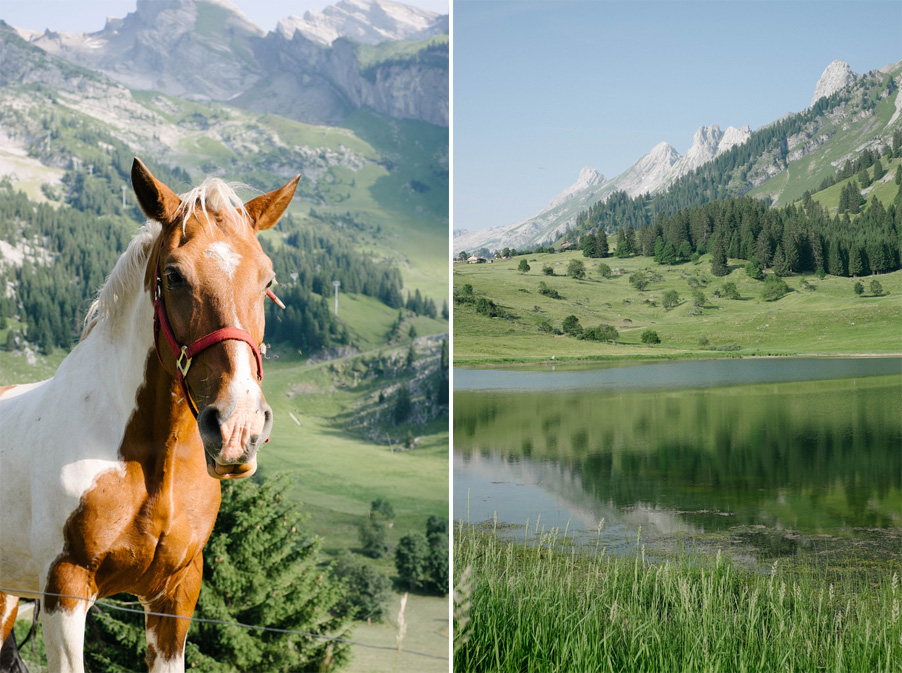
[798,237]
[422,560]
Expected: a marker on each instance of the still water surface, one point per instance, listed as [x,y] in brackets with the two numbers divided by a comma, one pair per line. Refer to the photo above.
[766,453]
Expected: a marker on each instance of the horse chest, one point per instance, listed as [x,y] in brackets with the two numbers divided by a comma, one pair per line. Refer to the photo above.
[133,539]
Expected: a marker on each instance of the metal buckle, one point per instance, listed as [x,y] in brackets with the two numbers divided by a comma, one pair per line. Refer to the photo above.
[178,364]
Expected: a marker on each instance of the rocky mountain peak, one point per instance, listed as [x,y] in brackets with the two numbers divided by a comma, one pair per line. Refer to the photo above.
[836,76]
[732,137]
[588,177]
[364,21]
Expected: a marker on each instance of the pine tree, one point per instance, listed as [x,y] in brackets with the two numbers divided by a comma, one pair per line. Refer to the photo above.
[763,250]
[260,568]
[854,198]
[791,251]
[835,266]
[855,265]
[843,200]
[780,266]
[719,265]
[631,240]
[601,243]
[668,254]
[659,248]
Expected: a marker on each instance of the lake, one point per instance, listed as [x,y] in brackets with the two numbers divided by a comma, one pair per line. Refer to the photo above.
[767,455]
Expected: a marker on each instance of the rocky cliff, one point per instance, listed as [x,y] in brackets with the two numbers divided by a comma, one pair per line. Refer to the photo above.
[836,76]
[365,22]
[208,50]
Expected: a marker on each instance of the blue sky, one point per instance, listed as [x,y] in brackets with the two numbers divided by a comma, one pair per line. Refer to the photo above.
[75,16]
[542,89]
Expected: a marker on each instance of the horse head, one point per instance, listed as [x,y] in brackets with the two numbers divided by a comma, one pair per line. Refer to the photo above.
[209,278]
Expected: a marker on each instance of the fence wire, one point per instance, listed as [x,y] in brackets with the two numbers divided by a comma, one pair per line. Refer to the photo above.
[221,622]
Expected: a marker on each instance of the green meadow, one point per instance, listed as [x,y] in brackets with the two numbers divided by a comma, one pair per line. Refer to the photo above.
[817,317]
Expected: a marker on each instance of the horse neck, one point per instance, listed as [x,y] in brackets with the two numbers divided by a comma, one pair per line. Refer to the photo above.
[157,423]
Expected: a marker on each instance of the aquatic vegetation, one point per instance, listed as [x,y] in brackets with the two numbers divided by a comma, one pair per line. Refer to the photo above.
[545,604]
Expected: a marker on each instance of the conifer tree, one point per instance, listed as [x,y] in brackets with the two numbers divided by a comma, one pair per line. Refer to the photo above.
[763,250]
[780,266]
[260,568]
[630,240]
[601,243]
[719,258]
[835,266]
[843,200]
[659,248]
[855,265]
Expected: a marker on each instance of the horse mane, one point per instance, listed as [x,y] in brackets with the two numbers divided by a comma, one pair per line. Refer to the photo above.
[213,193]
[219,195]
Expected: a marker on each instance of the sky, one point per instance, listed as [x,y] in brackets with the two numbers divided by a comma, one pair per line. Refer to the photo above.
[77,16]
[541,89]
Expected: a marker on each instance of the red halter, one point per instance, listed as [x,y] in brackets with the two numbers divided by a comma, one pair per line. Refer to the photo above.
[184,354]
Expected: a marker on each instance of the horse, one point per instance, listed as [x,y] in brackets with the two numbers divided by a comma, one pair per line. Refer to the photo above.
[110,471]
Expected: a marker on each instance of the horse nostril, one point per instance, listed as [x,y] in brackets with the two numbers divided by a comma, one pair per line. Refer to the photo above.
[209,422]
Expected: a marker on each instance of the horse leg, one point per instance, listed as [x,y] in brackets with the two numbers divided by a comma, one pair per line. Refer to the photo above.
[9,654]
[9,608]
[166,635]
[63,616]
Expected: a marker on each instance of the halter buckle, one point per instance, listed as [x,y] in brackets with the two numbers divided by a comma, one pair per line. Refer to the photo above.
[184,362]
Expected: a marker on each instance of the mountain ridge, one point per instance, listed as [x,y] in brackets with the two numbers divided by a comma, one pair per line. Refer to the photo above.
[209,50]
[828,123]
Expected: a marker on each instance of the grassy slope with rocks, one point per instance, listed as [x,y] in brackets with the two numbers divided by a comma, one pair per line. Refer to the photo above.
[835,137]
[825,319]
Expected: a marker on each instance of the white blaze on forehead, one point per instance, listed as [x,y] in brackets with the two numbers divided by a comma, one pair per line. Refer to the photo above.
[227,258]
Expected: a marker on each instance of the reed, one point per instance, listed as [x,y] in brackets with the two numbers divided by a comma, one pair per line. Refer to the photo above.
[551,605]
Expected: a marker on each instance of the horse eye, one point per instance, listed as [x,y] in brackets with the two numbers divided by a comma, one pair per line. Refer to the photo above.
[174,279]
[269,284]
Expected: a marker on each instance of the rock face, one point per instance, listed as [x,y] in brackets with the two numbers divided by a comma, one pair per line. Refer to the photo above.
[836,76]
[168,46]
[708,143]
[650,172]
[208,50]
[588,177]
[366,22]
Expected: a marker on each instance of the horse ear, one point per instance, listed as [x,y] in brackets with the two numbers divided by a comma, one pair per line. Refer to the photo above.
[265,210]
[156,199]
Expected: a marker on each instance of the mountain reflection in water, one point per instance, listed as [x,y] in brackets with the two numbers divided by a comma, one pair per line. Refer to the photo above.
[820,457]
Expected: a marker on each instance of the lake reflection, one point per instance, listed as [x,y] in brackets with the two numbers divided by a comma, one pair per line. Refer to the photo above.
[815,457]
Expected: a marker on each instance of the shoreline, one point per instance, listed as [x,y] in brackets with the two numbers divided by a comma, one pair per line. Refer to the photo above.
[695,355]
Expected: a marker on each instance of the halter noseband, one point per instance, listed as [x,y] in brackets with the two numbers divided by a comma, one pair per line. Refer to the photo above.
[184,354]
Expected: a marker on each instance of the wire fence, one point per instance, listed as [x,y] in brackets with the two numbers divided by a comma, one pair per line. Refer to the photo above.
[204,620]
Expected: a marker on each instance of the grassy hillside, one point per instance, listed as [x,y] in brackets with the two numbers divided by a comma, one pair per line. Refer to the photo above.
[833,139]
[885,190]
[816,317]
[337,474]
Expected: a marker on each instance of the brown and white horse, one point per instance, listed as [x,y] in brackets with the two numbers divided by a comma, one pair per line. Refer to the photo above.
[108,481]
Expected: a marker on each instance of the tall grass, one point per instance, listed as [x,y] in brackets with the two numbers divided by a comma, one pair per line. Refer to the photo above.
[554,606]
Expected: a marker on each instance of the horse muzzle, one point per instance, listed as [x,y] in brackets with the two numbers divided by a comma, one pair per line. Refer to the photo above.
[231,442]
